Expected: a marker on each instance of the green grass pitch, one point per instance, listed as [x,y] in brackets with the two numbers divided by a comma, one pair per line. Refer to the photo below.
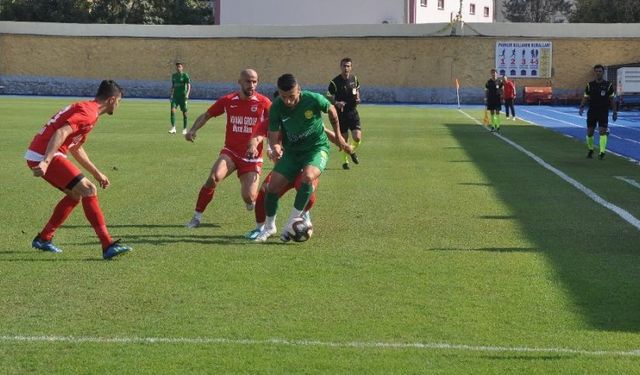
[445,251]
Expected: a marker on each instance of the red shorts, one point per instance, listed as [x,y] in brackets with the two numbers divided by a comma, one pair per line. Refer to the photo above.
[61,173]
[242,165]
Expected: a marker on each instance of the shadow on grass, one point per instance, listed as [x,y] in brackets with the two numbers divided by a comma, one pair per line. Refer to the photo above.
[170,239]
[490,249]
[527,358]
[595,254]
[56,259]
[146,226]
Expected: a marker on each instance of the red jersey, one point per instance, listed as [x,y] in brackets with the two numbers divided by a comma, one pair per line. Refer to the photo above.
[245,118]
[509,90]
[81,116]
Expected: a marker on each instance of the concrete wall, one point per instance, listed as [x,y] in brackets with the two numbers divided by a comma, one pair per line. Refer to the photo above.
[395,63]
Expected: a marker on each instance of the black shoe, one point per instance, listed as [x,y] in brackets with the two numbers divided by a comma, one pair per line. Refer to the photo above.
[590,154]
[355,159]
[601,156]
[345,166]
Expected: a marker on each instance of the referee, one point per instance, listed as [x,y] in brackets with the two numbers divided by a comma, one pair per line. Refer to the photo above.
[600,95]
[344,93]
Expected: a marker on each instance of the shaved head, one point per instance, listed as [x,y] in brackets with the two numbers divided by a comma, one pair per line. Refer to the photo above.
[248,82]
[247,73]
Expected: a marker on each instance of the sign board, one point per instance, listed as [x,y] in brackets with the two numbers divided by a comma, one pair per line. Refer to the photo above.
[524,59]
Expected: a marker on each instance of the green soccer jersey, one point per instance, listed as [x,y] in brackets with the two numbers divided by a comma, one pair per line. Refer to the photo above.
[179,82]
[302,127]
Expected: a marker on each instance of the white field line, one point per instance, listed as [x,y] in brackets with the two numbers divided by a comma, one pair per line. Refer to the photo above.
[628,180]
[315,343]
[626,216]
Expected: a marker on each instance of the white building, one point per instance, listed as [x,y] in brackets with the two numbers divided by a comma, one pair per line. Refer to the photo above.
[336,12]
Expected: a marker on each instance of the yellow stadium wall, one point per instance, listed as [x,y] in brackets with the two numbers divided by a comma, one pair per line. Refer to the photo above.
[383,62]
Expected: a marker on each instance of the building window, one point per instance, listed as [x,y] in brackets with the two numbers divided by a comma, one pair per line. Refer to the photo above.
[486,11]
[440,4]
[423,3]
[472,9]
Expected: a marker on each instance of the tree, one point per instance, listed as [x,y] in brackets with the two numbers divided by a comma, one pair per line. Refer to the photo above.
[536,10]
[607,11]
[71,11]
[177,12]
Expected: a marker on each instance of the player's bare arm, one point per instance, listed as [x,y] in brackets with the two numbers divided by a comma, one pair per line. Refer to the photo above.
[56,141]
[200,121]
[276,146]
[82,158]
[332,137]
[252,146]
[335,124]
[188,90]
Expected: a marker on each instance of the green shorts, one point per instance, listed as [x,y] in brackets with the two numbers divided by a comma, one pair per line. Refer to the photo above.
[291,163]
[179,102]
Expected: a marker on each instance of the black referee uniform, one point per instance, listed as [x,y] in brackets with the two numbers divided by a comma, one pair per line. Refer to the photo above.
[600,95]
[345,90]
[493,89]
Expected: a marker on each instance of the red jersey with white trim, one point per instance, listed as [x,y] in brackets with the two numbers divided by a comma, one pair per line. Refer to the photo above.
[81,116]
[245,118]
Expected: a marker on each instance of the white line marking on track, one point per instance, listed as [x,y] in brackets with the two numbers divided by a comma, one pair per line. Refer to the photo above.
[611,124]
[626,216]
[311,343]
[628,180]
[578,126]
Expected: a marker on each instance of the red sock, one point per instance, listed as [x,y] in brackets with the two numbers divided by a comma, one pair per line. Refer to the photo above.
[259,209]
[312,200]
[60,214]
[94,214]
[205,196]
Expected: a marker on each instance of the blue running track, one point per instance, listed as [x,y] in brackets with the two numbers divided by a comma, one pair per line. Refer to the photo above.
[624,134]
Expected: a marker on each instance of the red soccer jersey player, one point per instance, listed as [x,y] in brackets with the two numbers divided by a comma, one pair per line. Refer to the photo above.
[247,116]
[65,133]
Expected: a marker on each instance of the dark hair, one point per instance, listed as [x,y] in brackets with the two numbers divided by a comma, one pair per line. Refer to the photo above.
[598,66]
[286,82]
[107,89]
[493,70]
[179,63]
[345,60]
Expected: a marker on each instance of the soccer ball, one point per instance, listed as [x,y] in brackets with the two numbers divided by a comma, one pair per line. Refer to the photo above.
[300,230]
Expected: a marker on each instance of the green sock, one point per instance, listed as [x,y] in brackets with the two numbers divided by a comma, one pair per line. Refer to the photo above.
[590,142]
[345,157]
[302,197]
[603,143]
[173,119]
[493,120]
[355,144]
[271,204]
[184,120]
[498,120]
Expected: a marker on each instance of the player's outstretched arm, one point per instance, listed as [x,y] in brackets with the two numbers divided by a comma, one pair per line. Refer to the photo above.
[200,121]
[83,159]
[332,137]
